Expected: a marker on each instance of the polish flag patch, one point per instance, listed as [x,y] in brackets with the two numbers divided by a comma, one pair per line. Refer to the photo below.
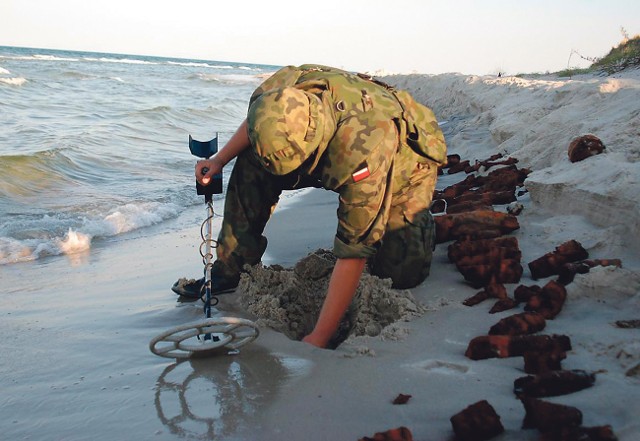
[361,174]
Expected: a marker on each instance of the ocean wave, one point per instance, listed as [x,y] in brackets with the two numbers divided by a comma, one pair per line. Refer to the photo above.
[4,71]
[215,66]
[44,57]
[29,174]
[112,162]
[55,58]
[68,175]
[134,216]
[130,59]
[78,75]
[193,64]
[16,81]
[75,74]
[120,60]
[36,57]
[228,79]
[76,233]
[15,251]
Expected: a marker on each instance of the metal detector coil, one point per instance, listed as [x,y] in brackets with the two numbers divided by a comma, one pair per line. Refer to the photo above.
[226,334]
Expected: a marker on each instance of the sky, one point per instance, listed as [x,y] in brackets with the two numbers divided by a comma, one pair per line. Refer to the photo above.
[392,36]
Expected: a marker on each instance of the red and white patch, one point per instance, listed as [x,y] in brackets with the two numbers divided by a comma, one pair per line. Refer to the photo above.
[361,174]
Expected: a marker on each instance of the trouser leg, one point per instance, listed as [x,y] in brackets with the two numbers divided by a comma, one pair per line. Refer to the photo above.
[252,195]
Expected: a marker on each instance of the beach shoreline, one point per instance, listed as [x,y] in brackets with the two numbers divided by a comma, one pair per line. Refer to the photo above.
[76,363]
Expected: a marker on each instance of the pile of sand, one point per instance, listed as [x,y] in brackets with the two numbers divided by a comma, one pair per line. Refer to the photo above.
[289,300]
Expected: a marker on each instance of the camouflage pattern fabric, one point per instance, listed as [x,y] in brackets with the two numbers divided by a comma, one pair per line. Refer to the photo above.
[285,128]
[376,147]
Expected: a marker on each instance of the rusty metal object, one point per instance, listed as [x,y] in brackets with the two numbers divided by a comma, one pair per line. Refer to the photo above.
[523,293]
[401,399]
[549,301]
[503,305]
[585,146]
[500,271]
[506,247]
[497,188]
[553,384]
[568,271]
[474,225]
[477,422]
[540,362]
[550,263]
[519,324]
[503,346]
[547,417]
[459,167]
[486,261]
[492,290]
[628,324]
[399,434]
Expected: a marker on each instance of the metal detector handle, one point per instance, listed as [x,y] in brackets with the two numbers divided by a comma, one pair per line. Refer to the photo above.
[214,187]
[206,149]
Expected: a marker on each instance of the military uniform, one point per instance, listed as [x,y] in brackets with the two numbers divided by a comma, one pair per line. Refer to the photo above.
[315,126]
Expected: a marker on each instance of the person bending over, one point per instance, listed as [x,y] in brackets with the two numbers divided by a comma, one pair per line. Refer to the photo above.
[378,149]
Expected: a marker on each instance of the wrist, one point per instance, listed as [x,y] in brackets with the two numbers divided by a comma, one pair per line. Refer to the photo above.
[217,160]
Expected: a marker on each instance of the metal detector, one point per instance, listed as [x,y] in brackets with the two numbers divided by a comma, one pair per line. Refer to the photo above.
[211,336]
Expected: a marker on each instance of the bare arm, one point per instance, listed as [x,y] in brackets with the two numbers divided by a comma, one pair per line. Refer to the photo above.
[342,287]
[236,144]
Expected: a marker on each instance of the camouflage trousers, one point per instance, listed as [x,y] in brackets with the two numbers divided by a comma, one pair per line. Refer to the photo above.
[404,254]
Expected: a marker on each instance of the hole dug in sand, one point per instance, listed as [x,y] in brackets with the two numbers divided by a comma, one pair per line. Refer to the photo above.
[289,300]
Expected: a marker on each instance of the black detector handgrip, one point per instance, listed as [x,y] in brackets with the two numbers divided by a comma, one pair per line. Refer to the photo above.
[205,149]
[213,187]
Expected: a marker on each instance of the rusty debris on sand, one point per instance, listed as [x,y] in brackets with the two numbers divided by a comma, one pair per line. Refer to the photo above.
[477,422]
[585,146]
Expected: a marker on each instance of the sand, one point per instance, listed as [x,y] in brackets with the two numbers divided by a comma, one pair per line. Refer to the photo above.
[75,360]
[289,300]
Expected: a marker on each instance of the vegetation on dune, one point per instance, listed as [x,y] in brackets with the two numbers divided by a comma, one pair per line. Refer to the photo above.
[625,55]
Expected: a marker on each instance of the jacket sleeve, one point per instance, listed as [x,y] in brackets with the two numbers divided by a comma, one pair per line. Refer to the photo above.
[363,160]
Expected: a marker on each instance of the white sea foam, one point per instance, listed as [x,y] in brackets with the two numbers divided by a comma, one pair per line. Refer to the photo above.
[15,251]
[124,219]
[74,242]
[16,81]
[191,64]
[12,251]
[52,58]
[4,71]
[120,60]
[229,79]
[133,216]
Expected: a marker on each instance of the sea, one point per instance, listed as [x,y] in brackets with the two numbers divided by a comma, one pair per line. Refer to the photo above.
[94,146]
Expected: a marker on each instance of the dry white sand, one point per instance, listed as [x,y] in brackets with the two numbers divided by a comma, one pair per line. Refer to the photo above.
[75,363]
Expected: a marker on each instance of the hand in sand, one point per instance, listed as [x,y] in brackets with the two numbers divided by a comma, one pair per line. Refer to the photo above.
[342,287]
[315,341]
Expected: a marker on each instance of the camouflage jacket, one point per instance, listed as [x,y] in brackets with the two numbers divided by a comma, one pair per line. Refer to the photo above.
[376,138]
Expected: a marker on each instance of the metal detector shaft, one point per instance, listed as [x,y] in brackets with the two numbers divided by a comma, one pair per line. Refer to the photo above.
[208,255]
[217,333]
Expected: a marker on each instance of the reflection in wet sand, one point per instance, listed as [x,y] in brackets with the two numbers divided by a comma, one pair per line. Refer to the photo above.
[218,397]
